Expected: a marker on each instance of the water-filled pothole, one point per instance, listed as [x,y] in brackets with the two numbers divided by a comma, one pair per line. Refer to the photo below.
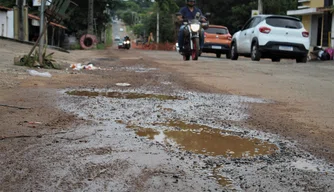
[204,140]
[124,95]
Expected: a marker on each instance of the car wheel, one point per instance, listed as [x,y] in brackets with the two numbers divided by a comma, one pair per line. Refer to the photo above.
[302,59]
[275,59]
[234,52]
[218,55]
[256,55]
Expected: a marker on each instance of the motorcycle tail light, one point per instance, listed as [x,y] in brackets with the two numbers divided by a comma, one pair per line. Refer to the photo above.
[265,30]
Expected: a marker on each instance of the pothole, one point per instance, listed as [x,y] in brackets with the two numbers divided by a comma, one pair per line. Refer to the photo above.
[214,143]
[124,95]
[106,59]
[201,139]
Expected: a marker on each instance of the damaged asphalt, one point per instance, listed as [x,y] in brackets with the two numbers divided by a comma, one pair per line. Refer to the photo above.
[156,137]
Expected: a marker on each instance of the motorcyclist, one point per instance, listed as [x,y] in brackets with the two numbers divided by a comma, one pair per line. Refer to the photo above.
[126,38]
[188,12]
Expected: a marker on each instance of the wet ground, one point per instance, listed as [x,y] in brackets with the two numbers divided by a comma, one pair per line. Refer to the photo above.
[151,133]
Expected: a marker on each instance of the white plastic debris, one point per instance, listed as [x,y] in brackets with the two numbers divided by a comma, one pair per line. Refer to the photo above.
[79,66]
[123,84]
[40,74]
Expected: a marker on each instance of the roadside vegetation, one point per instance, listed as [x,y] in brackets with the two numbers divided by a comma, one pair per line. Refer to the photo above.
[141,15]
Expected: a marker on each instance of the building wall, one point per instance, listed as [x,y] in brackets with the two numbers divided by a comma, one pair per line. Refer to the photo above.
[10,24]
[306,20]
[3,25]
[317,3]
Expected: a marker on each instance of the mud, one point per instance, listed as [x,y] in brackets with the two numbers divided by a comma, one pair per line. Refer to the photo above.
[209,141]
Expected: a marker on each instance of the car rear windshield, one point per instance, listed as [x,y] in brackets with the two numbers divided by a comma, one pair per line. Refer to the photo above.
[220,31]
[284,22]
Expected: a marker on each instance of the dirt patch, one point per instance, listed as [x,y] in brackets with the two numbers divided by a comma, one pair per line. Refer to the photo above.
[277,119]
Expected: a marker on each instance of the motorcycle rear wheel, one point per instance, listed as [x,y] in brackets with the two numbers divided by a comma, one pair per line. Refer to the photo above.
[195,51]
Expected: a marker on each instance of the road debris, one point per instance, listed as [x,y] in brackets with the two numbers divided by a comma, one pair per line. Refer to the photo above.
[80,66]
[123,84]
[11,106]
[40,74]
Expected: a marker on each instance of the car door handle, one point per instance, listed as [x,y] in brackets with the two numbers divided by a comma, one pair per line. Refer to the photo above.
[245,34]
[252,31]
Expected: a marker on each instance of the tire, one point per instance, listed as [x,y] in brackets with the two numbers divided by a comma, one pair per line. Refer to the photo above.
[275,59]
[218,55]
[256,54]
[302,59]
[186,57]
[234,52]
[195,51]
[88,41]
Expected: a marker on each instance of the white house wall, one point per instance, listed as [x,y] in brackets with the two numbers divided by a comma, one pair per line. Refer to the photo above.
[3,23]
[332,32]
[10,24]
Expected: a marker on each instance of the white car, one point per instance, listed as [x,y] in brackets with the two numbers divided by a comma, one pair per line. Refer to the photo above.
[272,36]
[117,38]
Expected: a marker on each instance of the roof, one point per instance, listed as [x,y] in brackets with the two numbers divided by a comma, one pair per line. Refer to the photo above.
[4,8]
[31,16]
[218,26]
[281,16]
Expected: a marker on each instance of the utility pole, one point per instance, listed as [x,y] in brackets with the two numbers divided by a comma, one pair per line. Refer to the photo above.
[158,30]
[260,7]
[41,32]
[90,27]
[20,6]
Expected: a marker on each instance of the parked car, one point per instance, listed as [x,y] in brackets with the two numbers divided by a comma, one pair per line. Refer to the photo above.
[121,29]
[217,40]
[272,36]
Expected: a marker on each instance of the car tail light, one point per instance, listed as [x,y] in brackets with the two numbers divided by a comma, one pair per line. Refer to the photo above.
[305,34]
[265,30]
[229,37]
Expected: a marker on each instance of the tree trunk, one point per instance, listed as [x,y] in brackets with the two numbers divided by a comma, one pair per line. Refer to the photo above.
[90,29]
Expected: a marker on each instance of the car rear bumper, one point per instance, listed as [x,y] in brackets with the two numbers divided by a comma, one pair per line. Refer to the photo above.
[283,49]
[215,48]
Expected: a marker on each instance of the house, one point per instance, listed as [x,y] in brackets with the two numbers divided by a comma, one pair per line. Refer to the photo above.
[54,33]
[318,19]
[6,22]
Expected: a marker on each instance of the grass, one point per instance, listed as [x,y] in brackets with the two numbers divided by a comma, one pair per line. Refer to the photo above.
[100,46]
[108,36]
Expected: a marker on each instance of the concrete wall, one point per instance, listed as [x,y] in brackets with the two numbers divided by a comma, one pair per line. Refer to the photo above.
[3,23]
[10,24]
[317,3]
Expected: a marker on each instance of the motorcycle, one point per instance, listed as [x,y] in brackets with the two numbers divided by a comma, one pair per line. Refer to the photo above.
[192,32]
[126,44]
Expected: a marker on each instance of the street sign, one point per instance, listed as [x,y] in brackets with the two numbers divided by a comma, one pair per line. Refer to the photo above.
[38,3]
[255,13]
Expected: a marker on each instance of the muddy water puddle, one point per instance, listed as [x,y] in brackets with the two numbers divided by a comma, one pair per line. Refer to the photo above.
[124,95]
[201,139]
